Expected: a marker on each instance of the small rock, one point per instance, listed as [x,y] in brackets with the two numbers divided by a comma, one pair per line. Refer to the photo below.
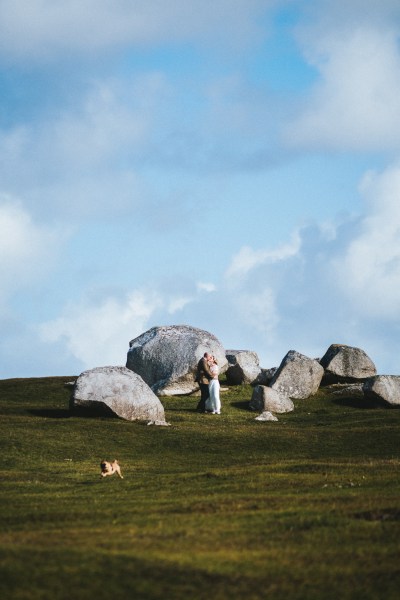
[266,416]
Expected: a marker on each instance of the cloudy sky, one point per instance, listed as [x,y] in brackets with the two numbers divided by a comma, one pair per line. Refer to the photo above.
[233,165]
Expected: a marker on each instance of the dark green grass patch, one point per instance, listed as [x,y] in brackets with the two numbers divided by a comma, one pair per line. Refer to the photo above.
[211,507]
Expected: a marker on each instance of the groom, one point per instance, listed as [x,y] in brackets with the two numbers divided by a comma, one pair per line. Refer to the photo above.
[203,377]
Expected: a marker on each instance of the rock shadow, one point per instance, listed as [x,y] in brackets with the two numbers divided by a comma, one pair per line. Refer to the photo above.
[51,413]
[354,403]
[243,405]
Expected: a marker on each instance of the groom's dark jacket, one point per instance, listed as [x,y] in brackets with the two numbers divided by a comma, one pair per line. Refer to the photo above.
[203,372]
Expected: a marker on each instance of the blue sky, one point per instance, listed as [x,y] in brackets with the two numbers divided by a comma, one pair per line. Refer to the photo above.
[231,165]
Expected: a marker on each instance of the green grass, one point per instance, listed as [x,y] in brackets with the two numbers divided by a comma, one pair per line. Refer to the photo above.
[213,507]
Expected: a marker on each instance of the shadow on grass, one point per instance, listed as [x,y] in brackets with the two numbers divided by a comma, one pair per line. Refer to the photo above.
[354,403]
[244,405]
[181,409]
[51,413]
[81,412]
[91,482]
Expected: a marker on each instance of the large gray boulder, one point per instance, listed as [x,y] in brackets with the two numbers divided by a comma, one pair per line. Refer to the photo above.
[383,389]
[166,357]
[298,376]
[266,399]
[116,391]
[346,364]
[243,367]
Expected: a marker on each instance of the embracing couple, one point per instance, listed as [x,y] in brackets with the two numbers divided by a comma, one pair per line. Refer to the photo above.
[207,378]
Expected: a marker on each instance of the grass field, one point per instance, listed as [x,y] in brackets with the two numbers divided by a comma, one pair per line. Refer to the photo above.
[213,507]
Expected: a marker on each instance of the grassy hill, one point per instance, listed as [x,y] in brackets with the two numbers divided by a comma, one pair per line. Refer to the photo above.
[213,507]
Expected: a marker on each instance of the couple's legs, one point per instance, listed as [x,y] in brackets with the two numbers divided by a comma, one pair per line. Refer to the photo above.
[215,402]
[201,407]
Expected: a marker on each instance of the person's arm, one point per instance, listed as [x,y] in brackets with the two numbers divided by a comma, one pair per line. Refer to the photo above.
[207,369]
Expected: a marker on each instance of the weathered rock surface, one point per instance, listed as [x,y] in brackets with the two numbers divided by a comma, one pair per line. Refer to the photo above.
[346,364]
[383,389]
[298,376]
[266,399]
[243,367]
[116,391]
[265,376]
[166,357]
[266,416]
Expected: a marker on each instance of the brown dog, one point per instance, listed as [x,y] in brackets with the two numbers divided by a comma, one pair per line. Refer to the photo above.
[109,468]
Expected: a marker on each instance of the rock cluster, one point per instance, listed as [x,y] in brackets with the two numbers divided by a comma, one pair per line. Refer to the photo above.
[163,361]
[345,370]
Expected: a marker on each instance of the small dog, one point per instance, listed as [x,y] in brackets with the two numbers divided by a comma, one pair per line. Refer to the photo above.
[109,468]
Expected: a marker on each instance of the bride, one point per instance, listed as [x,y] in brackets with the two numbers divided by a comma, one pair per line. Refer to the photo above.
[213,403]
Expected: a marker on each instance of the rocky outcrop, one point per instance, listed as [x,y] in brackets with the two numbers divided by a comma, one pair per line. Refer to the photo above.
[383,389]
[266,399]
[166,357]
[346,364]
[243,367]
[116,391]
[298,376]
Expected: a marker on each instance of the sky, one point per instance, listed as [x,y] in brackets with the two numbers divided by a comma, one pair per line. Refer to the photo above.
[233,165]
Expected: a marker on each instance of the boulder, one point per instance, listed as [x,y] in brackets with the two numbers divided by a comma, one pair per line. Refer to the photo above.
[383,389]
[266,399]
[116,391]
[243,367]
[166,357]
[346,364]
[298,376]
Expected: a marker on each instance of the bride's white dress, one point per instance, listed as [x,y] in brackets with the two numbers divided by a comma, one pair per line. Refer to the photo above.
[213,403]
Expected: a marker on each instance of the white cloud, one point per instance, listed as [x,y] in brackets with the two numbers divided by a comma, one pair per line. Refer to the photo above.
[247,259]
[207,287]
[370,266]
[27,249]
[105,123]
[80,161]
[259,310]
[337,284]
[356,103]
[98,334]
[177,304]
[42,29]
